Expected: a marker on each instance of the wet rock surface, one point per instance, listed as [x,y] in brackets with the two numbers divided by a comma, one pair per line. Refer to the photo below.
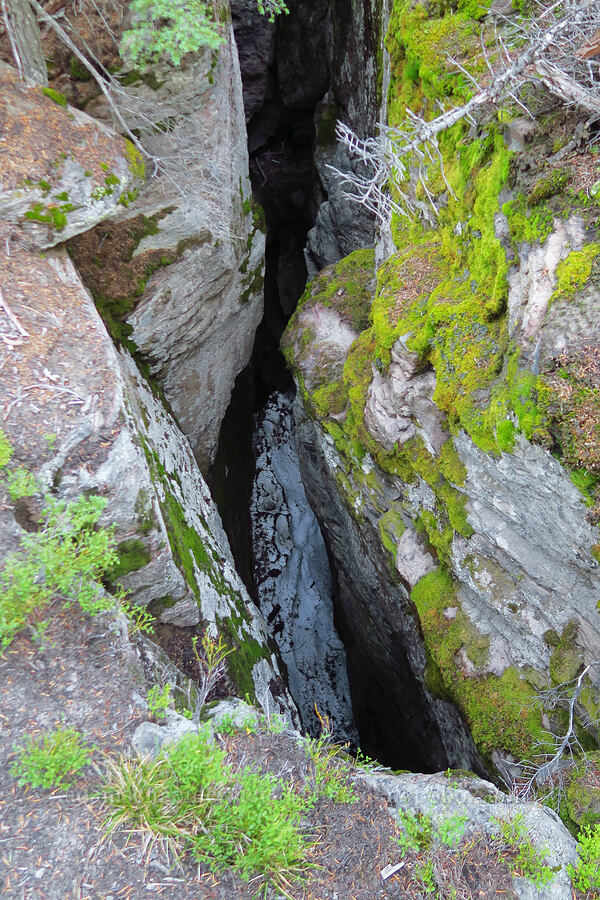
[292,577]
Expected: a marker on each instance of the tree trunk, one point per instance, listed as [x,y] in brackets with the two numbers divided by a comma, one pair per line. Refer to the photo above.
[25,41]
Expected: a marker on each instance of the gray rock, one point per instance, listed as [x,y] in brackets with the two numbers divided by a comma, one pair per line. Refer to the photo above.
[386,659]
[196,319]
[483,805]
[292,577]
[112,436]
[519,133]
[149,738]
[85,171]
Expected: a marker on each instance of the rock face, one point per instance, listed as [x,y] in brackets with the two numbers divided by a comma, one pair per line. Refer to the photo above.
[479,807]
[111,436]
[293,579]
[398,719]
[464,547]
[354,96]
[194,300]
[69,173]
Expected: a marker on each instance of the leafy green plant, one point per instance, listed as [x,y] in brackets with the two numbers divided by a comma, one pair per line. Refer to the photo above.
[211,667]
[6,450]
[21,483]
[450,831]
[158,699]
[274,723]
[140,620]
[190,799]
[416,831]
[528,861]
[585,875]
[425,877]
[51,760]
[171,28]
[272,8]
[65,558]
[330,777]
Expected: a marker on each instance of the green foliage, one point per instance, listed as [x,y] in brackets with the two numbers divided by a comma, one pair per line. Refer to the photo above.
[425,877]
[272,8]
[585,875]
[529,861]
[140,620]
[168,29]
[6,450]
[416,831]
[21,483]
[329,776]
[64,559]
[420,832]
[450,831]
[56,96]
[158,701]
[190,799]
[51,760]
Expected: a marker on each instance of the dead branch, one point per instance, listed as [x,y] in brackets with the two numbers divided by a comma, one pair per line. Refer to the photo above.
[545,48]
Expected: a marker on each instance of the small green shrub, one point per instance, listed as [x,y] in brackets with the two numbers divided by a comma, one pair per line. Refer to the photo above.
[190,799]
[450,831]
[65,558]
[330,777]
[425,877]
[586,874]
[6,450]
[21,483]
[140,620]
[172,28]
[159,699]
[416,831]
[51,760]
[529,861]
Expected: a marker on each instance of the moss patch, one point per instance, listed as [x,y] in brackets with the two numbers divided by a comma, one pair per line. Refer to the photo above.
[583,792]
[500,711]
[133,555]
[344,288]
[575,271]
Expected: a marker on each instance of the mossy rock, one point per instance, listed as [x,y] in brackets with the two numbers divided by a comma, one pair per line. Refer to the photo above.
[583,792]
[133,555]
[567,658]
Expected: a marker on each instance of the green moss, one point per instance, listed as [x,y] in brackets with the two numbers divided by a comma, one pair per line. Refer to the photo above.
[527,225]
[329,114]
[575,271]
[56,96]
[548,186]
[136,76]
[391,528]
[583,792]
[133,555]
[145,512]
[77,71]
[567,658]
[136,161]
[52,215]
[500,710]
[44,186]
[345,288]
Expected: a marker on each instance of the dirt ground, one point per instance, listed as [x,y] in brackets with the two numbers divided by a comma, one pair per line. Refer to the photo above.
[85,674]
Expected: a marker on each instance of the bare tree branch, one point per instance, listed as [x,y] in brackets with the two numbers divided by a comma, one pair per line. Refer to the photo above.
[546,49]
